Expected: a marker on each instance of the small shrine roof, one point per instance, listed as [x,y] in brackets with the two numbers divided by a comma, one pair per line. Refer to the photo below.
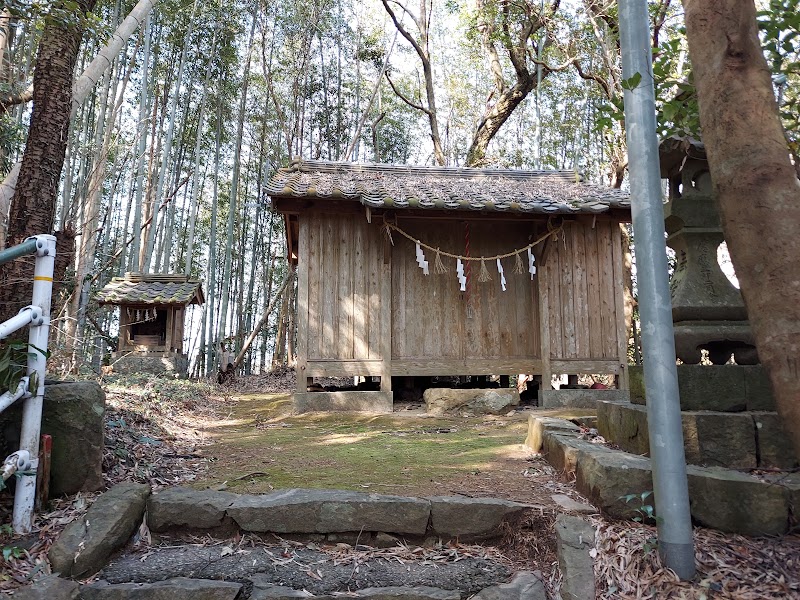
[152,289]
[446,188]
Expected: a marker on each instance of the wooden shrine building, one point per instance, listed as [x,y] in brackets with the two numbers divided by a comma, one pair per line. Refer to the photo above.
[390,281]
[151,320]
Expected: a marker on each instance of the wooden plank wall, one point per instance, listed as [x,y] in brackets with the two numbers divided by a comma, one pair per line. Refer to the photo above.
[429,313]
[344,262]
[583,277]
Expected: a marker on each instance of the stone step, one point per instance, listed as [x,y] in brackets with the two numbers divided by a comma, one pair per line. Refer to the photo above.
[721,499]
[744,440]
[322,515]
[525,585]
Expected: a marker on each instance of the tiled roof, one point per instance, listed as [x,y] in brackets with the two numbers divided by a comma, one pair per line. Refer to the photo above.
[397,187]
[152,289]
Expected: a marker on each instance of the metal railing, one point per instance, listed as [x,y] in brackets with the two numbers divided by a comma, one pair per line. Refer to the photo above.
[24,462]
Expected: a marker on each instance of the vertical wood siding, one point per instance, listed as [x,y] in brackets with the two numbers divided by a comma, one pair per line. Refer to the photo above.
[583,282]
[429,313]
[344,263]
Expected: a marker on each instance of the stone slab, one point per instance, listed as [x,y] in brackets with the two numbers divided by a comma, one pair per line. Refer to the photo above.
[524,586]
[538,425]
[472,519]
[574,542]
[723,499]
[605,476]
[180,588]
[185,507]
[710,438]
[738,503]
[451,401]
[330,511]
[578,398]
[350,401]
[51,587]
[86,545]
[408,593]
[561,450]
[570,505]
[262,590]
[775,448]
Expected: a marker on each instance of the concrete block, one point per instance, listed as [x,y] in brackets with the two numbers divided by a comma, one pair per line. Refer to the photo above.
[758,388]
[579,398]
[538,425]
[775,448]
[709,438]
[351,401]
[738,503]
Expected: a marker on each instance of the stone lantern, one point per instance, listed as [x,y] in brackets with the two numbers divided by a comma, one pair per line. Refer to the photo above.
[707,310]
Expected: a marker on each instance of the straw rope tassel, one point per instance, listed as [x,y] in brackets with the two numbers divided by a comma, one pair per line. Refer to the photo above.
[518,268]
[438,266]
[484,276]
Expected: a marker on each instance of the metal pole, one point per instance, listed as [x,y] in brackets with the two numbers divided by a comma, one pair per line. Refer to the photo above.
[23,249]
[32,410]
[670,485]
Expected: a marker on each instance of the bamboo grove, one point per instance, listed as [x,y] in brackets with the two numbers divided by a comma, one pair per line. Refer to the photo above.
[169,149]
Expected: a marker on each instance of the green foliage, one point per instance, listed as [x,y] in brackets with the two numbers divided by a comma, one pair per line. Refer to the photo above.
[632,82]
[13,363]
[645,513]
[779,26]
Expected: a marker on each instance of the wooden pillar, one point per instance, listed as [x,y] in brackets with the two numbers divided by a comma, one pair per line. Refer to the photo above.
[169,332]
[302,304]
[124,328]
[386,318]
[544,326]
[619,295]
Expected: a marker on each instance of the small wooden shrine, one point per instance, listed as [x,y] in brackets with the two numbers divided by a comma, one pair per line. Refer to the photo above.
[424,271]
[151,320]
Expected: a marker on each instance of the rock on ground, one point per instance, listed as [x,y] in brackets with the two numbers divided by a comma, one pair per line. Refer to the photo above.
[469,575]
[269,591]
[51,587]
[524,586]
[172,589]
[86,545]
[73,415]
[446,401]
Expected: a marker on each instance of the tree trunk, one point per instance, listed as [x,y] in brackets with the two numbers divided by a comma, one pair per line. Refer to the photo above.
[33,205]
[754,182]
[497,116]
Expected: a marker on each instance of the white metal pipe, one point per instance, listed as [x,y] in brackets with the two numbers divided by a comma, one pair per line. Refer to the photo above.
[671,490]
[32,410]
[18,321]
[8,398]
[19,461]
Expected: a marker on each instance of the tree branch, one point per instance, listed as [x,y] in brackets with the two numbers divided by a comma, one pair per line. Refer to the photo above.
[22,97]
[404,98]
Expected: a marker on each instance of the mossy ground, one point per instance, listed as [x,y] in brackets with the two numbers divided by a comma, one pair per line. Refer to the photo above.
[260,446]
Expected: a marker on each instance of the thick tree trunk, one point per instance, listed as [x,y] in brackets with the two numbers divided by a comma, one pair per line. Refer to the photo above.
[754,182]
[496,118]
[33,205]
